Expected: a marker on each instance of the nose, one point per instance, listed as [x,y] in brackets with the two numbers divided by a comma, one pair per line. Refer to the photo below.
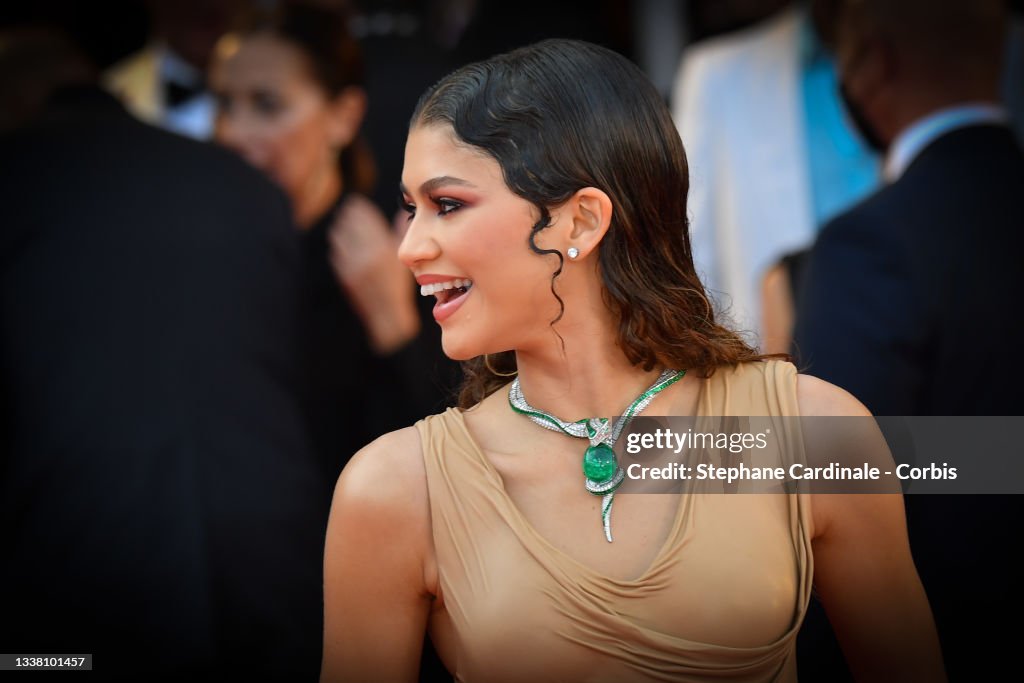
[418,245]
[234,132]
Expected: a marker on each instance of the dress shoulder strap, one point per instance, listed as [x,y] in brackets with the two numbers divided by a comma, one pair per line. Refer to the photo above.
[753,388]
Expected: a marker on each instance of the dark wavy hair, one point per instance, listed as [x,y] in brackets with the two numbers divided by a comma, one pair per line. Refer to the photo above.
[562,115]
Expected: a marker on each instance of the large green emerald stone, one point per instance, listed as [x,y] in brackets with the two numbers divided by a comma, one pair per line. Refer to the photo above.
[599,463]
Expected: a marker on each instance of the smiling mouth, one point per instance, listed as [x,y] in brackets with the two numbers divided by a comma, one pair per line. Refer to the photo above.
[446,291]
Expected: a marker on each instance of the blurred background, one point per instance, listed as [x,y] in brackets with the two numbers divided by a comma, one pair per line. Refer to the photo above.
[408,44]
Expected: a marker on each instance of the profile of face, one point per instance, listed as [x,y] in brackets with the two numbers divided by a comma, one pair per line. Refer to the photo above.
[863,66]
[466,224]
[558,144]
[273,112]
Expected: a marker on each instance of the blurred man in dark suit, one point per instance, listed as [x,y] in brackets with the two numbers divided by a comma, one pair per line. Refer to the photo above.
[909,298]
[159,505]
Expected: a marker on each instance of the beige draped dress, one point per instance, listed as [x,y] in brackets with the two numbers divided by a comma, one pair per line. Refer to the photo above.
[737,566]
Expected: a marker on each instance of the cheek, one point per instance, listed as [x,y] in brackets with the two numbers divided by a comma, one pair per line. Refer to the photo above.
[246,135]
[515,272]
[514,302]
[518,286]
[296,149]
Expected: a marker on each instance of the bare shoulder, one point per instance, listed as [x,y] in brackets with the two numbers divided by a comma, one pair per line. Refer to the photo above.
[853,443]
[379,575]
[382,494]
[386,475]
[818,398]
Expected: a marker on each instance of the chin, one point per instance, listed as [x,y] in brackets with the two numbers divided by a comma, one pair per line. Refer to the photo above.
[457,349]
[461,347]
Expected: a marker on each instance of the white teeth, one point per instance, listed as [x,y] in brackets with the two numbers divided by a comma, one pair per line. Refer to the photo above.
[428,290]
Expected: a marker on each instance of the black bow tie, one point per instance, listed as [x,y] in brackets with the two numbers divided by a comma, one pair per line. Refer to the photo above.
[176,94]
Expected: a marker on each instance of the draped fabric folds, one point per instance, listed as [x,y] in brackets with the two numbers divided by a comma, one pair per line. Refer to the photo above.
[722,600]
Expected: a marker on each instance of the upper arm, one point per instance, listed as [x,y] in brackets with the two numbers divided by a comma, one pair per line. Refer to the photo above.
[863,570]
[377,564]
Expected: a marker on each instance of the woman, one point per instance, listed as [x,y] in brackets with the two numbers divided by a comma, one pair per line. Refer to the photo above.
[291,101]
[546,189]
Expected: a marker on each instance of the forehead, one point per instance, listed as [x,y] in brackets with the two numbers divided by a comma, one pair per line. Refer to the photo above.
[433,151]
[258,58]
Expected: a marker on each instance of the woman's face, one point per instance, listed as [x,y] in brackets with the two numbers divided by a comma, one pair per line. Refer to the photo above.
[465,224]
[273,113]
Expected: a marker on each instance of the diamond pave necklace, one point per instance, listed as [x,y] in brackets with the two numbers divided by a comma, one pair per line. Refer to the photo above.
[600,466]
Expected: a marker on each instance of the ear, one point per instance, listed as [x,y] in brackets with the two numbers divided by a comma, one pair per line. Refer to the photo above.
[867,64]
[880,64]
[590,211]
[346,111]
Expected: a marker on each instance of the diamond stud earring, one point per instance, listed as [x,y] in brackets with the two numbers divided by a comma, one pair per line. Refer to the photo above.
[573,252]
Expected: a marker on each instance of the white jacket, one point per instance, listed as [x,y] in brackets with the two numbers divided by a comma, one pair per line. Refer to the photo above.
[737,103]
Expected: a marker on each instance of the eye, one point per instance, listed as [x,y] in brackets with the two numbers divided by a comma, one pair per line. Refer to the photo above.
[223,102]
[405,205]
[267,103]
[447,205]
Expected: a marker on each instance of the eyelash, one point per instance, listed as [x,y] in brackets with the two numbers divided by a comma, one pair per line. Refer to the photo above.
[446,205]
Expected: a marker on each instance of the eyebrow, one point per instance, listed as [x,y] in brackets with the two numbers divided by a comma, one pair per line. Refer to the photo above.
[434,183]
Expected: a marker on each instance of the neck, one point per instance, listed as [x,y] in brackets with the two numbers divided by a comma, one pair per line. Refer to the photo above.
[921,103]
[593,378]
[317,196]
